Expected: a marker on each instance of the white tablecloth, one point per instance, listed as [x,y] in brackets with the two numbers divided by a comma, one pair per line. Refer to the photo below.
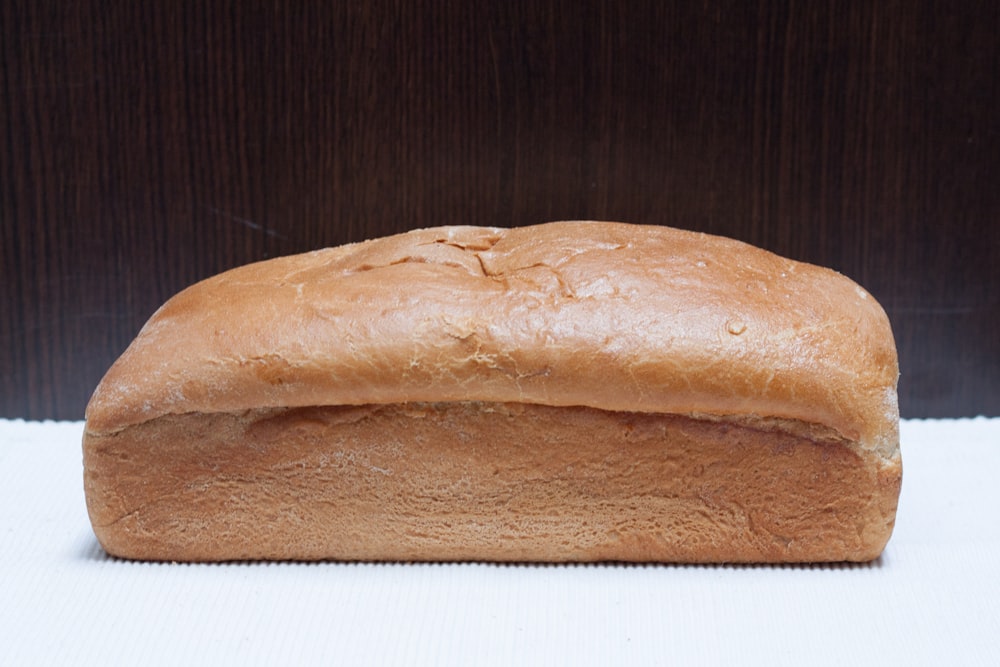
[932,599]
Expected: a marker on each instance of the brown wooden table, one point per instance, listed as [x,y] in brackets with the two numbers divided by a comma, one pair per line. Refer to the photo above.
[144,146]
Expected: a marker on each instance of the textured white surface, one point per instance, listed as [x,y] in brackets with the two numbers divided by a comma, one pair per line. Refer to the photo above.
[932,599]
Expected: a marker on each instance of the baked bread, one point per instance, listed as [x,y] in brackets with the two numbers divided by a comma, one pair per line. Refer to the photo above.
[573,391]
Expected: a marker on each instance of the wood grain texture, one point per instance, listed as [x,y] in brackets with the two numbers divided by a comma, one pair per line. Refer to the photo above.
[145,147]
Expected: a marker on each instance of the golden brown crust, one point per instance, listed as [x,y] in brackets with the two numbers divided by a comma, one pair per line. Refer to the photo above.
[570,391]
[605,315]
[481,481]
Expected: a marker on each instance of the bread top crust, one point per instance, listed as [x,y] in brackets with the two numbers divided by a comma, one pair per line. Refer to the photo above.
[606,315]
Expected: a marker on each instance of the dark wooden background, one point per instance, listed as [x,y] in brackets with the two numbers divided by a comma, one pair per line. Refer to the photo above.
[144,146]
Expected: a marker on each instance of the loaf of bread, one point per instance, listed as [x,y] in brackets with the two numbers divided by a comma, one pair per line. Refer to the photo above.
[573,391]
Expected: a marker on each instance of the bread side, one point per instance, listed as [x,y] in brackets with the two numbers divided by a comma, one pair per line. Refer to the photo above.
[485,481]
[610,316]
